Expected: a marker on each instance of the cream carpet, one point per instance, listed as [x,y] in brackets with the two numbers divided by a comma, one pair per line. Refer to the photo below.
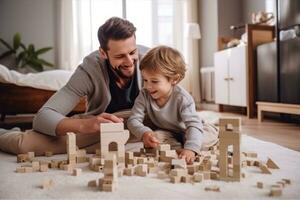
[26,186]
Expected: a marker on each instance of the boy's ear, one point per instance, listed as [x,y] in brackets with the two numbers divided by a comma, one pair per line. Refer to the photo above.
[102,53]
[175,80]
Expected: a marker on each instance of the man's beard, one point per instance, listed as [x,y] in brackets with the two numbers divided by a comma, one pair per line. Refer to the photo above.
[118,70]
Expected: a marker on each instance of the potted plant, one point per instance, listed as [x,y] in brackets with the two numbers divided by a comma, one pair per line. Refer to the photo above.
[25,56]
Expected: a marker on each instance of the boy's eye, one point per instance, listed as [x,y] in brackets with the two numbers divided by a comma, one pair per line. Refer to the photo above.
[154,81]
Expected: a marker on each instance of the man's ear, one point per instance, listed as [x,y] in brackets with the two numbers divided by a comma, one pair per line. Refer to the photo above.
[102,53]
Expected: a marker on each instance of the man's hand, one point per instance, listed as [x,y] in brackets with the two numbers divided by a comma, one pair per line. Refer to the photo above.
[92,125]
[188,155]
[150,140]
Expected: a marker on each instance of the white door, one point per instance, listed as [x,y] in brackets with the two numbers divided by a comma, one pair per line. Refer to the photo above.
[221,75]
[237,76]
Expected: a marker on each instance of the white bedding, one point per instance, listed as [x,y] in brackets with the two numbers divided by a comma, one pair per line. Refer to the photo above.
[48,80]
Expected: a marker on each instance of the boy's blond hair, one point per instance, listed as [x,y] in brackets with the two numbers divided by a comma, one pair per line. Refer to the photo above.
[166,60]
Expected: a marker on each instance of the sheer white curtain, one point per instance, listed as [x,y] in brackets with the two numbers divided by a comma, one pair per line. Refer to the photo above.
[157,22]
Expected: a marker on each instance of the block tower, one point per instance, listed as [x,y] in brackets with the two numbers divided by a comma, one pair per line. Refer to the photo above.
[113,135]
[230,134]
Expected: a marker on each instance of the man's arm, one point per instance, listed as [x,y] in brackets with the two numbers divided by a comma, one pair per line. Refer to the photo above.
[62,103]
[86,126]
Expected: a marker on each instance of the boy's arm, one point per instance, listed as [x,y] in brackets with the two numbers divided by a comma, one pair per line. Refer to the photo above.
[135,121]
[194,127]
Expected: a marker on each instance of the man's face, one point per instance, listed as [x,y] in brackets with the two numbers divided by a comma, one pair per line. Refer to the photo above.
[122,55]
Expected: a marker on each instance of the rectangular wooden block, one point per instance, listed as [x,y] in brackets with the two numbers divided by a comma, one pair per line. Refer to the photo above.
[111,127]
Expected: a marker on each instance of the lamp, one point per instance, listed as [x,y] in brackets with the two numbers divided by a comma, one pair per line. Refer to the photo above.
[192,32]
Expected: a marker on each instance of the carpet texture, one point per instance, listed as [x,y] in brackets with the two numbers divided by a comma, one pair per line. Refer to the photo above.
[26,186]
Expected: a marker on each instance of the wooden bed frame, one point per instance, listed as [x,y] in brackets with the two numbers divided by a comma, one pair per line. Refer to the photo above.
[16,99]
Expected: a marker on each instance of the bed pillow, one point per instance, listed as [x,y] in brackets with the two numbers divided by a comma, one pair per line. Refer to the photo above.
[48,80]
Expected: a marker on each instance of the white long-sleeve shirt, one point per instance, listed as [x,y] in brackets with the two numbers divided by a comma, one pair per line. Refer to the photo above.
[178,116]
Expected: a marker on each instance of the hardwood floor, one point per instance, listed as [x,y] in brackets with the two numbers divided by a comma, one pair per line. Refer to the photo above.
[282,133]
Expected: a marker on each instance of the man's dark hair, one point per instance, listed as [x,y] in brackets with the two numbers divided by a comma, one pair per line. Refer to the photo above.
[115,28]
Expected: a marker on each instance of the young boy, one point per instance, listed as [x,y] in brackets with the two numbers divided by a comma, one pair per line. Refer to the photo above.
[169,107]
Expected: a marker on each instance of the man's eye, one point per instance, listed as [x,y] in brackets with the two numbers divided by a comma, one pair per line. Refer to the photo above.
[132,53]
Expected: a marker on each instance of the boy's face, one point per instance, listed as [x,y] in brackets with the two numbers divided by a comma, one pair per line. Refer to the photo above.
[158,85]
[122,55]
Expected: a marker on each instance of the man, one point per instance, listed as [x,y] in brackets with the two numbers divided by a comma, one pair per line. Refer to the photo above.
[110,80]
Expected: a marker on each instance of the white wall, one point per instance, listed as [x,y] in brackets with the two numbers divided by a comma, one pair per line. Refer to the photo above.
[250,6]
[208,18]
[33,19]
[216,16]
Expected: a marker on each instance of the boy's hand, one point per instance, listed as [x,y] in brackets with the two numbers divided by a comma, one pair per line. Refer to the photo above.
[189,155]
[150,140]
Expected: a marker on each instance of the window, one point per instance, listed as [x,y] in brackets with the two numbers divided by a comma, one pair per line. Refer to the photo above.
[156,20]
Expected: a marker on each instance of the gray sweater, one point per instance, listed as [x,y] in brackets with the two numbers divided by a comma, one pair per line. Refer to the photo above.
[91,80]
[178,115]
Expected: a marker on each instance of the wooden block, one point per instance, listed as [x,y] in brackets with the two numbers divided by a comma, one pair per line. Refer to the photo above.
[264,169]
[206,175]
[213,188]
[92,183]
[68,167]
[282,183]
[28,169]
[31,155]
[20,170]
[214,175]
[168,153]
[198,177]
[287,181]
[48,153]
[164,147]
[128,171]
[178,172]
[82,159]
[141,170]
[77,171]
[260,185]
[175,179]
[229,123]
[141,160]
[111,127]
[162,175]
[271,164]
[35,165]
[48,183]
[22,158]
[97,152]
[276,192]
[152,169]
[179,163]
[43,167]
[186,179]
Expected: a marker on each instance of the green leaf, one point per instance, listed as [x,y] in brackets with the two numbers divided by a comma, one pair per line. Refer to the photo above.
[46,63]
[43,50]
[23,46]
[20,57]
[7,53]
[6,44]
[30,49]
[38,67]
[17,41]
